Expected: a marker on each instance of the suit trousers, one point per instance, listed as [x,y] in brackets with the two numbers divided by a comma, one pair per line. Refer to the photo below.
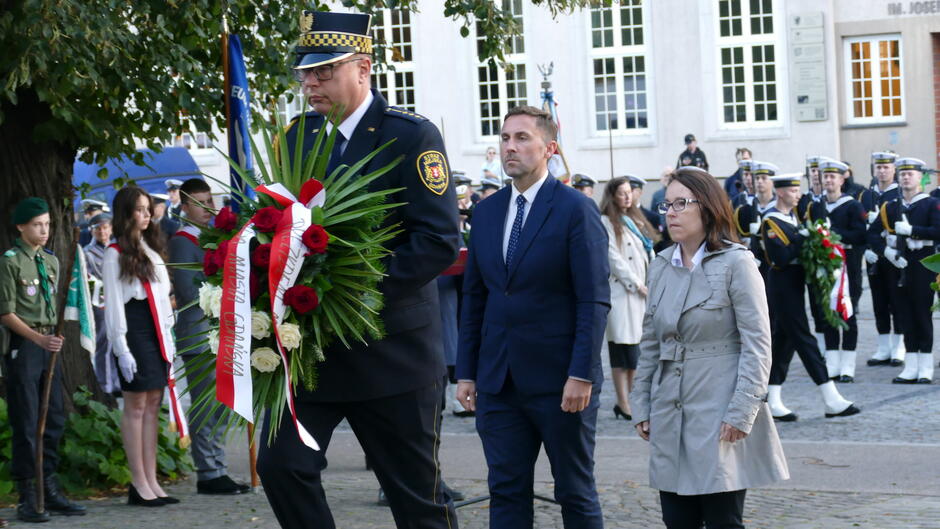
[790,328]
[722,510]
[884,297]
[208,443]
[400,436]
[24,375]
[513,427]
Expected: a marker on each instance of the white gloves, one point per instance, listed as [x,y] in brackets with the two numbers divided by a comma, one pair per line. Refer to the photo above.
[754,228]
[127,365]
[871,257]
[892,241]
[872,216]
[892,256]
[903,227]
[804,232]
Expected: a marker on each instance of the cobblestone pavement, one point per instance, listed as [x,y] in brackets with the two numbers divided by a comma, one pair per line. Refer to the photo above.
[896,436]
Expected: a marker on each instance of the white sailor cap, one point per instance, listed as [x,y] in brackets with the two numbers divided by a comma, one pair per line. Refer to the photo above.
[746,165]
[91,204]
[883,157]
[813,161]
[787,180]
[910,164]
[490,183]
[160,197]
[828,165]
[692,168]
[583,180]
[635,181]
[172,183]
[764,168]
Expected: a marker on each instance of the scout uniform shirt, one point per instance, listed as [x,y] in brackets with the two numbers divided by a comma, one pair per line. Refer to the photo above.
[23,289]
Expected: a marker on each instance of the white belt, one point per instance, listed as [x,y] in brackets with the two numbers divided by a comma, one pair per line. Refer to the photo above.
[919,244]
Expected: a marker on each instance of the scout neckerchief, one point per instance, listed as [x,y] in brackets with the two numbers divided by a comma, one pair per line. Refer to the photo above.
[44,284]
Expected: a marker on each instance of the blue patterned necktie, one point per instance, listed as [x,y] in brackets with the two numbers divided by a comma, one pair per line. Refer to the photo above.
[336,154]
[516,229]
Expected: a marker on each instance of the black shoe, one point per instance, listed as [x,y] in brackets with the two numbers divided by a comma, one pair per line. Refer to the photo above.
[463,413]
[169,500]
[134,498]
[851,410]
[222,485]
[873,362]
[382,499]
[790,417]
[896,363]
[899,380]
[924,381]
[455,495]
[26,509]
[57,503]
[618,413]
[845,379]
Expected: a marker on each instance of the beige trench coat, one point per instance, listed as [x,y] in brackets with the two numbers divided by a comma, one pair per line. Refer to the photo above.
[628,263]
[704,360]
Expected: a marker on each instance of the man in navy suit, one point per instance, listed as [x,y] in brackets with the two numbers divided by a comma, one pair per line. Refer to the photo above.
[534,312]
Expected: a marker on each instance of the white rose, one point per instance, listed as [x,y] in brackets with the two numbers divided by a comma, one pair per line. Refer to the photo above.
[265,360]
[215,303]
[210,300]
[205,292]
[260,325]
[290,335]
[214,341]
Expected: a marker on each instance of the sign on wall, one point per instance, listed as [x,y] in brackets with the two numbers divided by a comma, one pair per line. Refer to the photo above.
[808,66]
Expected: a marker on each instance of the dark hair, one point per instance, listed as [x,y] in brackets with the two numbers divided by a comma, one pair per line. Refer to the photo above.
[191,187]
[543,120]
[714,206]
[133,262]
[609,208]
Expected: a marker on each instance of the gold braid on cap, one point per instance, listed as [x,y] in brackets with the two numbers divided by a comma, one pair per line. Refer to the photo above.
[339,41]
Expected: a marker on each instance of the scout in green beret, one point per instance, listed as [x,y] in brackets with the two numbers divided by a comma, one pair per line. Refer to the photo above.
[28,273]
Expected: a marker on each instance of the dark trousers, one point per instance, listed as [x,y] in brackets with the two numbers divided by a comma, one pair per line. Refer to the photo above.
[790,329]
[815,308]
[918,298]
[24,379]
[723,510]
[513,427]
[849,337]
[207,437]
[400,435]
[884,297]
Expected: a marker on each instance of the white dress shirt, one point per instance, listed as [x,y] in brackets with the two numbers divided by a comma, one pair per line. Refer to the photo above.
[696,259]
[529,195]
[348,126]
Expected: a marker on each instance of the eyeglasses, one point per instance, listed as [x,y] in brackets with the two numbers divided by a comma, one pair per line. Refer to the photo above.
[677,205]
[322,73]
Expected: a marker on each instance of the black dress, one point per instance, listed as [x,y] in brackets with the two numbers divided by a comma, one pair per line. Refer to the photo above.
[145,347]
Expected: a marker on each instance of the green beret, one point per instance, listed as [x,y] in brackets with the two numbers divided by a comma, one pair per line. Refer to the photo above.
[29,208]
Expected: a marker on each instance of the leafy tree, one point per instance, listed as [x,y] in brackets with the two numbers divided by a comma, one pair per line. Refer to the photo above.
[90,78]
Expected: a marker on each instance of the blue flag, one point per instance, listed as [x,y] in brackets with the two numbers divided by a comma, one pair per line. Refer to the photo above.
[239,118]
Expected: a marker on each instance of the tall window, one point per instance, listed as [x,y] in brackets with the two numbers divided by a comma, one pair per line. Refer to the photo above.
[873,79]
[392,29]
[500,89]
[618,67]
[747,44]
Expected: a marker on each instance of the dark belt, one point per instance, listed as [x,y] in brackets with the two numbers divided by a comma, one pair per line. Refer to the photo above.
[43,329]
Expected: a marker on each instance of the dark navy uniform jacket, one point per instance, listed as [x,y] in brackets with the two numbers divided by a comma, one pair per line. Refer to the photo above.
[873,198]
[923,213]
[781,238]
[849,219]
[409,357]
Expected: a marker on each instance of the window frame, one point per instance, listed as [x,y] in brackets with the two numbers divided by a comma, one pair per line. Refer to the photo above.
[503,81]
[877,98]
[388,75]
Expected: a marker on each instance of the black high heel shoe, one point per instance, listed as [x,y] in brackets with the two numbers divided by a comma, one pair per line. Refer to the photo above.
[134,498]
[618,413]
[169,500]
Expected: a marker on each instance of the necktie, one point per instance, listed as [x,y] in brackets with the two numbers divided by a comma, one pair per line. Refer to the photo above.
[516,229]
[44,286]
[336,153]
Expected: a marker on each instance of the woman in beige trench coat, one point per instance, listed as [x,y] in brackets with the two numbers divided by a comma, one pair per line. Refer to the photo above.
[701,385]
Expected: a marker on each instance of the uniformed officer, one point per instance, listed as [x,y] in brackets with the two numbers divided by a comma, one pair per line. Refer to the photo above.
[846,217]
[28,273]
[882,276]
[745,183]
[750,209]
[90,208]
[783,240]
[488,186]
[174,203]
[584,184]
[912,229]
[161,215]
[390,390]
[814,191]
[105,365]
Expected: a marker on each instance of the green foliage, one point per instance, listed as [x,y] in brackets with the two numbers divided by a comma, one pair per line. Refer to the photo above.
[820,261]
[932,263]
[91,453]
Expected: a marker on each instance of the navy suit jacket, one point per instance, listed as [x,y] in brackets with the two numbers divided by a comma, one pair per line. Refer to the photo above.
[543,318]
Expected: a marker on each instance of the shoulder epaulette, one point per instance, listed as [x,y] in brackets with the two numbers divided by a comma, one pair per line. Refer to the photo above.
[10,253]
[48,251]
[405,114]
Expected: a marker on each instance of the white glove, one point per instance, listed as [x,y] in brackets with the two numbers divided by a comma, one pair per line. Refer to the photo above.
[900,262]
[804,232]
[127,365]
[872,216]
[891,254]
[754,228]
[892,240]
[828,223]
[871,257]
[903,227]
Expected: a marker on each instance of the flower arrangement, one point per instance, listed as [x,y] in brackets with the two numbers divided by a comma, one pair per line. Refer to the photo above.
[292,271]
[932,263]
[823,259]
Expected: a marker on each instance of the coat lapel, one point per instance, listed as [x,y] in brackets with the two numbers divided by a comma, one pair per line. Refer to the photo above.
[541,207]
[699,289]
[499,227]
[366,135]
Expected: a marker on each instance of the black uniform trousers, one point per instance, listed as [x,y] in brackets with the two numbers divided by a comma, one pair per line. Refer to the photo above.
[884,297]
[790,328]
[853,265]
[400,435]
[918,298]
[24,379]
[722,510]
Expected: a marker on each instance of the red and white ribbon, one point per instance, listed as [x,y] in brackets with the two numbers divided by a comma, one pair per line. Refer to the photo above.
[839,299]
[233,364]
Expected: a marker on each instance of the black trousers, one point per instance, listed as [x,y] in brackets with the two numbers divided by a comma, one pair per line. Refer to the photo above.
[400,435]
[790,328]
[24,378]
[884,297]
[918,297]
[849,337]
[722,510]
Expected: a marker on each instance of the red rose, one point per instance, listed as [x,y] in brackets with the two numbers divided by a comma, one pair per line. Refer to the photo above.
[262,256]
[226,219]
[826,243]
[833,256]
[213,260]
[301,298]
[267,219]
[316,238]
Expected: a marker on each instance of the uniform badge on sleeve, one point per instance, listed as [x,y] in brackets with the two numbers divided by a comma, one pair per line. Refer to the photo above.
[432,168]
